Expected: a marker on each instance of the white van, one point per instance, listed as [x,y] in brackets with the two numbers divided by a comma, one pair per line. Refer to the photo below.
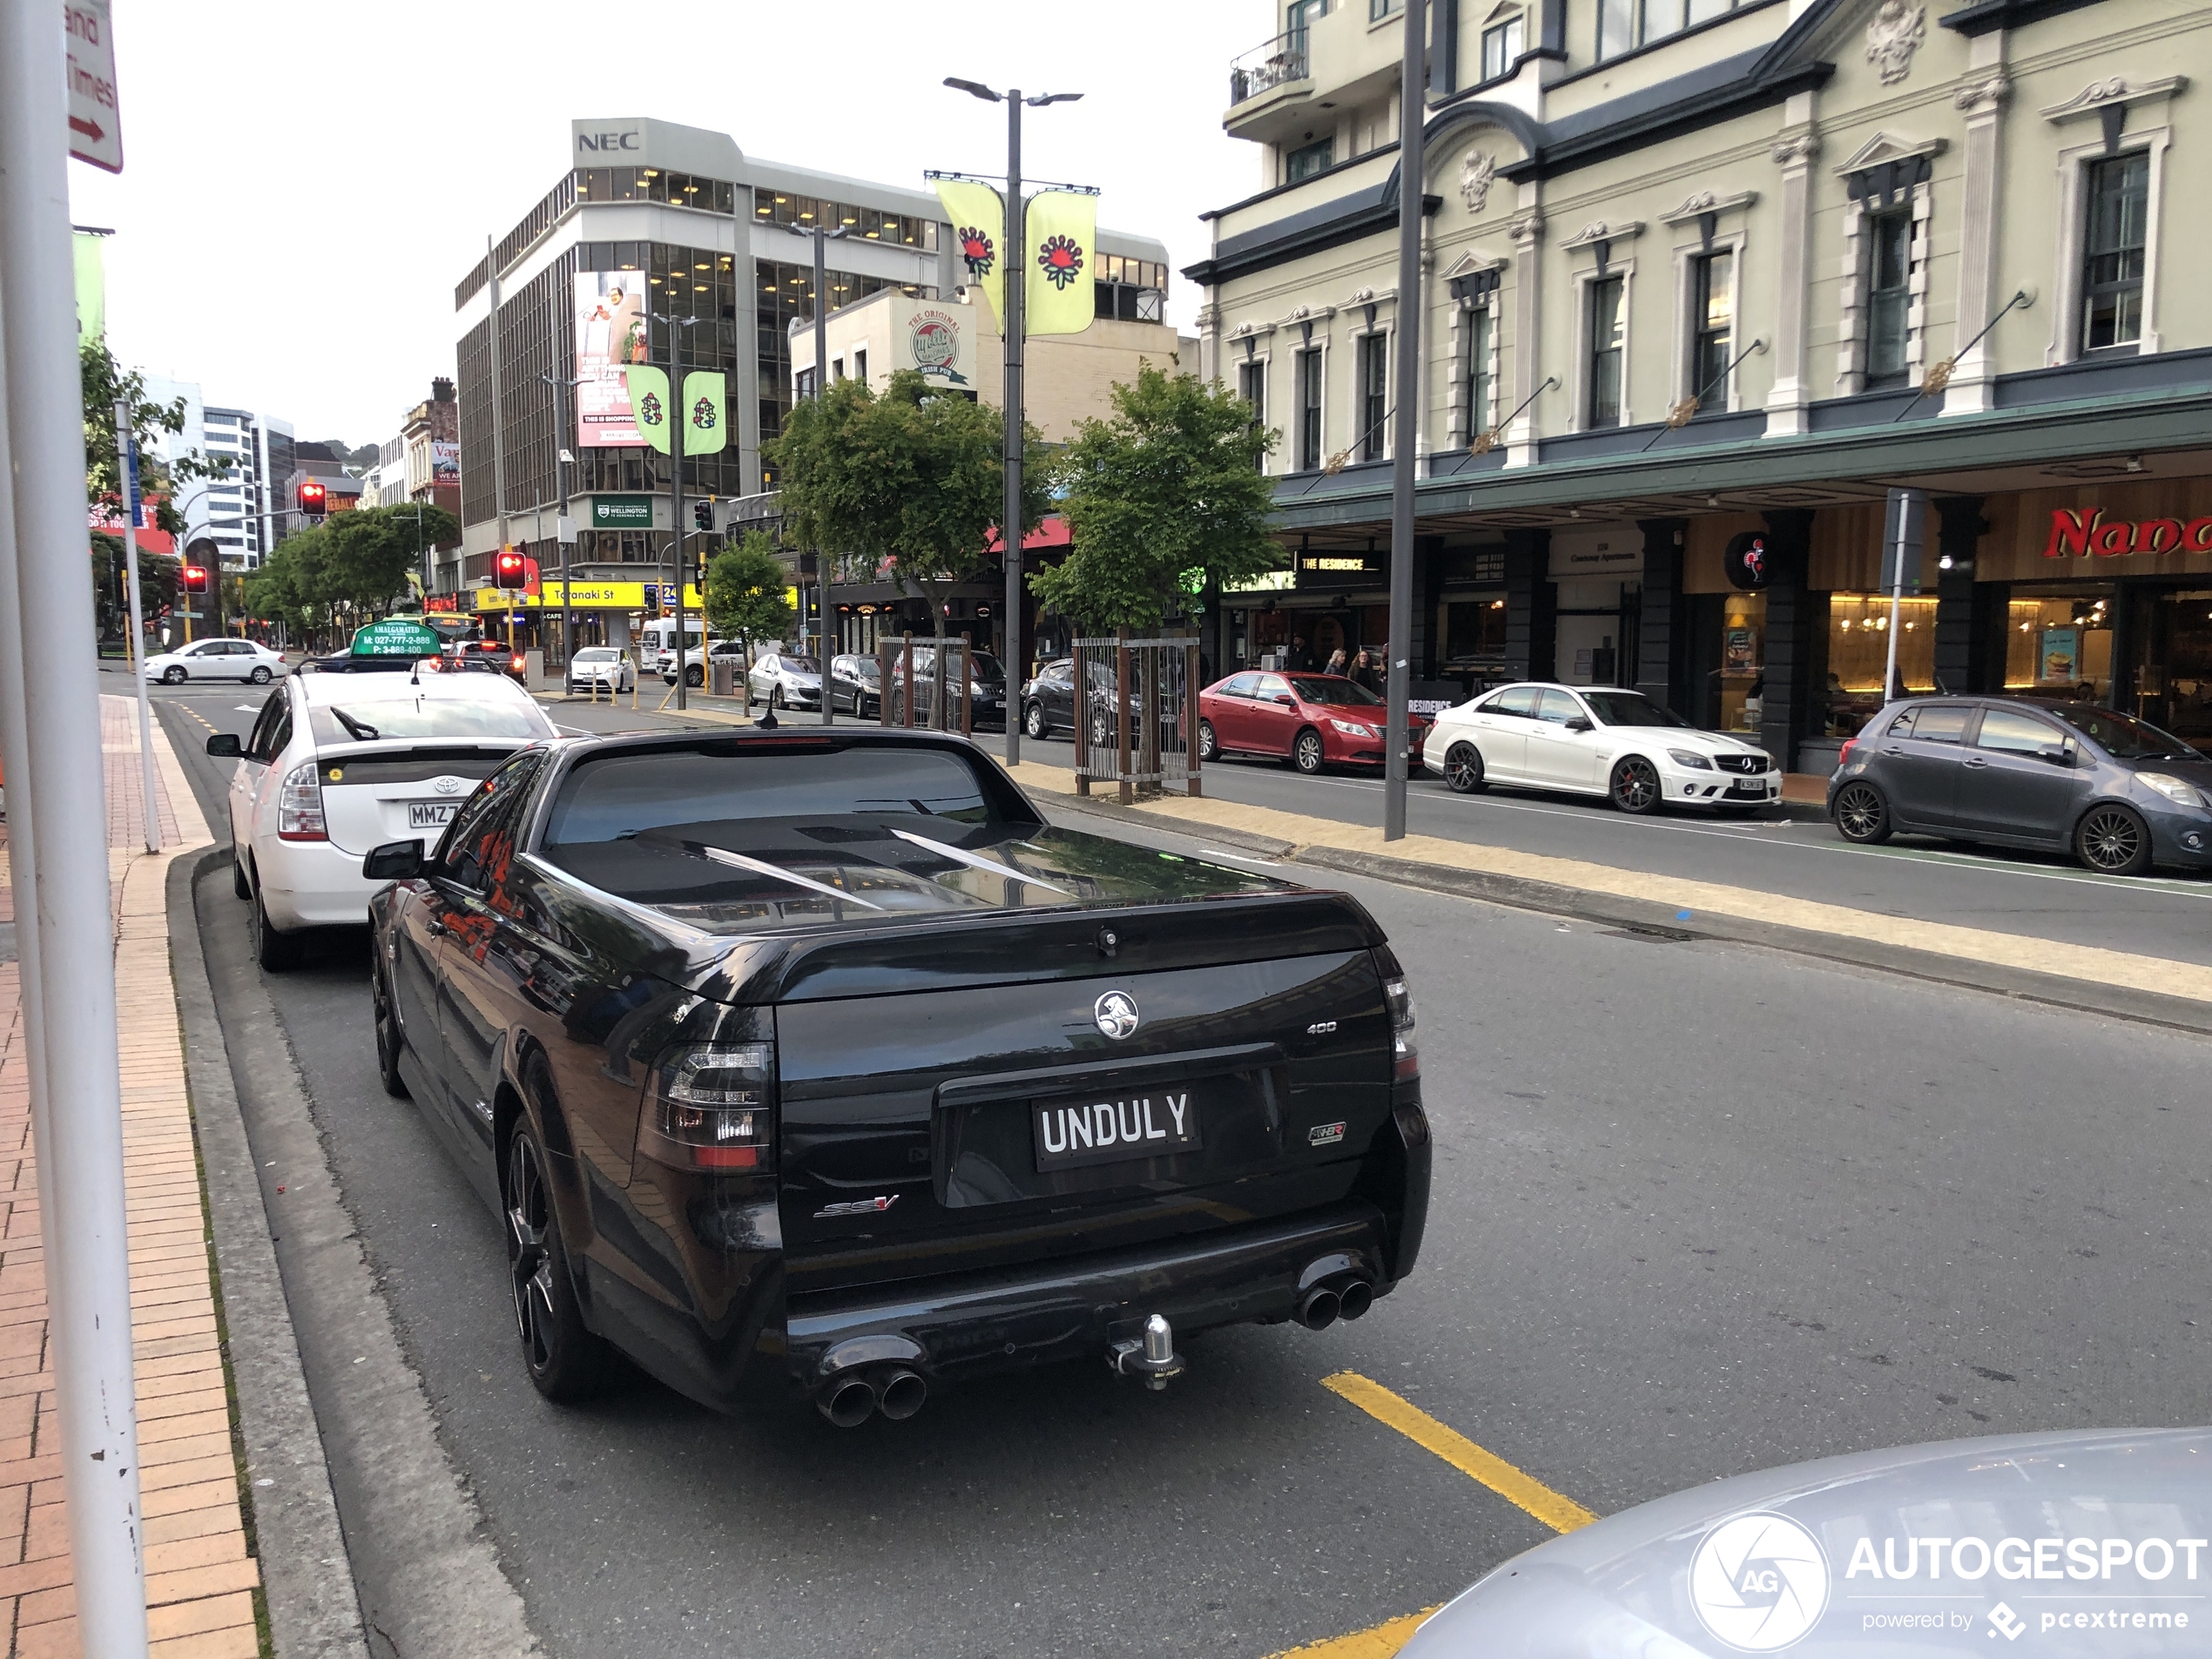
[656,641]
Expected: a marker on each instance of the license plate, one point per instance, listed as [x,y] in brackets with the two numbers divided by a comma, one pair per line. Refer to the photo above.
[1111,1129]
[1744,787]
[431,814]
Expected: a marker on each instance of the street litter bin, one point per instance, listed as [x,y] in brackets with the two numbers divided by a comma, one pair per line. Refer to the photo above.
[721,676]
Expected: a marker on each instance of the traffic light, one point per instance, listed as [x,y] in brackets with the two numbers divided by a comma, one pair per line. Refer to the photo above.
[314,499]
[703,515]
[195,578]
[509,569]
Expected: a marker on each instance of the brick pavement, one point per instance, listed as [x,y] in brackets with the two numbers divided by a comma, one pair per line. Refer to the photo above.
[201,1576]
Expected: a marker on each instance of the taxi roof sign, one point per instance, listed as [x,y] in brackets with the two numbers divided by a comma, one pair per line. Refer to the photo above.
[395,636]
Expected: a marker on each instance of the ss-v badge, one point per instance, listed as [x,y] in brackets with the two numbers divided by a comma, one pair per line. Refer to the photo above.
[858,1207]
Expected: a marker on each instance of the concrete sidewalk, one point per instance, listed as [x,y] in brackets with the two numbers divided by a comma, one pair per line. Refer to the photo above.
[203,1583]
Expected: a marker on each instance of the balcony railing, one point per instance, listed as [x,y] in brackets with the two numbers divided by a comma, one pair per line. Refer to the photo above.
[1270,65]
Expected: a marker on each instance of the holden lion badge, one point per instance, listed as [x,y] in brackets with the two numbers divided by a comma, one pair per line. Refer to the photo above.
[1116,1013]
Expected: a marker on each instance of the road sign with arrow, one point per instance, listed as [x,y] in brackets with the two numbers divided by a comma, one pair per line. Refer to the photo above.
[95,117]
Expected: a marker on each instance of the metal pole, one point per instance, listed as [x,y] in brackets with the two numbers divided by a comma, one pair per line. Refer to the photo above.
[130,562]
[1412,109]
[1010,326]
[72,985]
[498,441]
[676,424]
[565,531]
[821,383]
[1901,503]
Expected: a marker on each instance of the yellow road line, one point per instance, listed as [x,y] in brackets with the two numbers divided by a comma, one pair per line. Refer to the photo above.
[1560,1514]
[1379,1642]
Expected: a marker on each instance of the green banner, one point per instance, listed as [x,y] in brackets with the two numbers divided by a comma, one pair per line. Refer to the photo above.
[1061,298]
[706,428]
[622,512]
[978,213]
[649,403]
[91,285]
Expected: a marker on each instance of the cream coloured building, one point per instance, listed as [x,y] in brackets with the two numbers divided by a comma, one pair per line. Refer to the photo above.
[1694,269]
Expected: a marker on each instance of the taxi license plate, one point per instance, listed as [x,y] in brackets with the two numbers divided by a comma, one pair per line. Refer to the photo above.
[431,814]
[1104,1129]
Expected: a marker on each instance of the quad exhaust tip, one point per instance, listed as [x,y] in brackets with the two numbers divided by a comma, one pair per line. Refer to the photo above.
[1341,1296]
[850,1398]
[848,1402]
[1318,1307]
[900,1394]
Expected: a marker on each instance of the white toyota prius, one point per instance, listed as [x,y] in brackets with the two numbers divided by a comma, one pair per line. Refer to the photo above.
[1593,740]
[339,763]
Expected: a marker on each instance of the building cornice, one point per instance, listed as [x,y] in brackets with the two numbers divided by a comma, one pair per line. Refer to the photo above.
[1987,15]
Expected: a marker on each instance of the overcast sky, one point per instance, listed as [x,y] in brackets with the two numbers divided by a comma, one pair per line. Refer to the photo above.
[304,185]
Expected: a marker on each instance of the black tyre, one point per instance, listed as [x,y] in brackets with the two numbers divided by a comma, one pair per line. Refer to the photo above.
[239,884]
[1306,751]
[566,1362]
[260,674]
[1635,787]
[775,697]
[173,676]
[1208,746]
[275,950]
[1463,769]
[1036,723]
[1102,729]
[388,1034]
[1861,814]
[695,674]
[2112,839]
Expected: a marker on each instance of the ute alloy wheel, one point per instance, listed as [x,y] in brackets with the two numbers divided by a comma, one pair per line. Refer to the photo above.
[2113,840]
[260,674]
[1034,723]
[566,1361]
[1307,753]
[1861,814]
[173,675]
[1463,769]
[1208,746]
[1636,787]
[388,1034]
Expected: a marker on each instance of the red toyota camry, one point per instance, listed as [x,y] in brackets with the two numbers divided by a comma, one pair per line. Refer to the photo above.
[1313,721]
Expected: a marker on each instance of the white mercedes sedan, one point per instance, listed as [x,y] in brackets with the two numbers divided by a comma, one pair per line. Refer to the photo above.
[1594,740]
[342,762]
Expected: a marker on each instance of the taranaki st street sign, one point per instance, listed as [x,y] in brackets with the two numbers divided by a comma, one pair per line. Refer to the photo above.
[95,117]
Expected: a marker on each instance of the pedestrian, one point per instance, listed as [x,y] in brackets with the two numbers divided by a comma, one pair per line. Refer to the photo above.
[1300,659]
[1336,662]
[1368,672]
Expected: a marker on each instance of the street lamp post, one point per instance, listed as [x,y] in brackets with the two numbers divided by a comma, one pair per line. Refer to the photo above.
[1011,328]
[1412,183]
[822,237]
[565,526]
[676,429]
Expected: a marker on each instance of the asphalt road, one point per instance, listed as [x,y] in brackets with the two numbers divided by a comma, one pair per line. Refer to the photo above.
[1699,1208]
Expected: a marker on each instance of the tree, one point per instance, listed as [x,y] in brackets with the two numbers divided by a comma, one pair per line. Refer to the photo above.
[916,476]
[111,590]
[1166,495]
[104,383]
[745,592]
[353,565]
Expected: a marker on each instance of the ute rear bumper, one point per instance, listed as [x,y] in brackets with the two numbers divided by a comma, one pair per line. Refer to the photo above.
[971,1325]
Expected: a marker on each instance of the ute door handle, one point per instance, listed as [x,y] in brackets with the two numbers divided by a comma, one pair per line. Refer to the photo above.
[1975,761]
[435,928]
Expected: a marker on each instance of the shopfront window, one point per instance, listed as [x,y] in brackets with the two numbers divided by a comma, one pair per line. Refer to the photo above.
[1742,672]
[1475,631]
[2060,645]
[1858,654]
[2172,652]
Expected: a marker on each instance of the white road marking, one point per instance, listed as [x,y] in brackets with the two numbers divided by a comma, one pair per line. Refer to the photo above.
[1241,858]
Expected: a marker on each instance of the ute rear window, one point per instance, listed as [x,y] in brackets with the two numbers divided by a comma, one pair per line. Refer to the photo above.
[610,797]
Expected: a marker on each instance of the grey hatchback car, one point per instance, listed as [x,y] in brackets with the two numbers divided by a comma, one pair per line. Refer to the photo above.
[2115,791]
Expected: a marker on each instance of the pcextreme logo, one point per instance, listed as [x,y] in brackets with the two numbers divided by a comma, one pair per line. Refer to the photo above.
[1759,1583]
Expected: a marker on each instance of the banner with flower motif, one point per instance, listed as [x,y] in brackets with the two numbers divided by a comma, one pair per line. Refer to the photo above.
[649,403]
[706,428]
[1061,298]
[978,216]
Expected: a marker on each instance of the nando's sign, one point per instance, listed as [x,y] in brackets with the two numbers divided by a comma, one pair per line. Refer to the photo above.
[2083,532]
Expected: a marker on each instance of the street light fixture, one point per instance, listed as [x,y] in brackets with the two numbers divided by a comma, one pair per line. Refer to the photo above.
[1010,328]
[822,238]
[676,494]
[565,526]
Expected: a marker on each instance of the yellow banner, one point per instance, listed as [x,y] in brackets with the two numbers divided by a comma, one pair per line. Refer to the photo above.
[591,595]
[978,213]
[1061,298]
[649,403]
[706,428]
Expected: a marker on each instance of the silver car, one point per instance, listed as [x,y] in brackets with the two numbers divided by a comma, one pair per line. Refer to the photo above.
[785,680]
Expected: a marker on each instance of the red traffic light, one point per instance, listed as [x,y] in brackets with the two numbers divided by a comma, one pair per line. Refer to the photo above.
[195,578]
[510,570]
[315,498]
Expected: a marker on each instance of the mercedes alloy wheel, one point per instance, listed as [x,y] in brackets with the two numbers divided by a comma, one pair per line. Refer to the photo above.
[1463,769]
[1636,787]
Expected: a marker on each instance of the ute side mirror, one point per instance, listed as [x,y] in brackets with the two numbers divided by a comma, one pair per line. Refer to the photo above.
[394,861]
[1579,722]
[225,745]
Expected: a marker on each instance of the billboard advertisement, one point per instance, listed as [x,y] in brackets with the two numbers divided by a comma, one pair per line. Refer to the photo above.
[610,336]
[445,464]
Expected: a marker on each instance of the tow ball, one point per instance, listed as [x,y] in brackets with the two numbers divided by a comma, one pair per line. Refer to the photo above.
[1151,1356]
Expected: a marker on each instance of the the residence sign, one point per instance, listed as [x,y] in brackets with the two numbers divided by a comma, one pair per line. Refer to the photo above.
[2080,532]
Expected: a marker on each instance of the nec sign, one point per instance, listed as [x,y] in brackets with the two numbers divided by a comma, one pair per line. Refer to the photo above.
[608,143]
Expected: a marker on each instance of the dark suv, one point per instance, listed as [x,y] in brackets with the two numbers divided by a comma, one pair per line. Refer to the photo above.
[2118,793]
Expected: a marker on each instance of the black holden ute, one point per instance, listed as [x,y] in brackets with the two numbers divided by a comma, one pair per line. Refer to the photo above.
[817,1063]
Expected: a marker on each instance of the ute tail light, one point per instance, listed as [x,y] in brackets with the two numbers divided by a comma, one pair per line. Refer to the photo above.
[711,1107]
[299,805]
[1406,1058]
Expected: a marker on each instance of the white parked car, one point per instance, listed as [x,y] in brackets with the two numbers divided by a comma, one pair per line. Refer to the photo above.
[719,651]
[1596,740]
[216,659]
[600,665]
[338,764]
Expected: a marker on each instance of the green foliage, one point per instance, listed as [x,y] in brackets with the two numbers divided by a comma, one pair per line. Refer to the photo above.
[110,589]
[105,382]
[354,563]
[917,476]
[1164,497]
[745,592]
